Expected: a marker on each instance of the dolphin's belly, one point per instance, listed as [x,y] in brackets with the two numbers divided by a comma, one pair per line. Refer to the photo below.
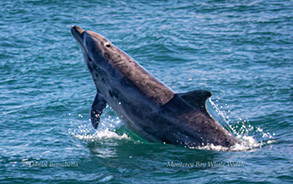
[132,111]
[129,104]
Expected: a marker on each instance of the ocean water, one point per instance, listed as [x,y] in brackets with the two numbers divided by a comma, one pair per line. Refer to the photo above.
[241,51]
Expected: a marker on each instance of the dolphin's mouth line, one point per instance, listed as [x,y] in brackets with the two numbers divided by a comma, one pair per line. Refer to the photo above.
[78,34]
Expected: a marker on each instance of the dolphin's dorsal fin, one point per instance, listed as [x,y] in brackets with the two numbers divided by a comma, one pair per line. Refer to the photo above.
[196,98]
[97,108]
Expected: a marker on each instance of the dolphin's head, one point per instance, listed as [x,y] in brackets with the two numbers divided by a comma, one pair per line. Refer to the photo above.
[94,46]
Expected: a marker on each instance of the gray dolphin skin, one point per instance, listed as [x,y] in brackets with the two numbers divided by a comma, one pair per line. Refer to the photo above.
[148,107]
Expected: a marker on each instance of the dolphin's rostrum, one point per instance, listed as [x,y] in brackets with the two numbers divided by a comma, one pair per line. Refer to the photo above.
[148,107]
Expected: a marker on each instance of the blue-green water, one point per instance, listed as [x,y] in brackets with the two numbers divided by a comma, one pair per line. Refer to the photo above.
[239,50]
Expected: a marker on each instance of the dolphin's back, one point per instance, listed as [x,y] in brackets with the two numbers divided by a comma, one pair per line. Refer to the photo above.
[139,77]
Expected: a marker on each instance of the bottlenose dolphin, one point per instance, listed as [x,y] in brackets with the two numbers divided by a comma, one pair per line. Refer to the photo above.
[148,107]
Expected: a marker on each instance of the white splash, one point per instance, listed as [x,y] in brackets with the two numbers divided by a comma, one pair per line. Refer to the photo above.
[101,134]
[106,130]
[242,130]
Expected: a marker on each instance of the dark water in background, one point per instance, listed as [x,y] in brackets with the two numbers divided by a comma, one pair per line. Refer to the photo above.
[239,50]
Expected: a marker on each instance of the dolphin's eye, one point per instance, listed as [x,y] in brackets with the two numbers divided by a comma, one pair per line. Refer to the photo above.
[107,44]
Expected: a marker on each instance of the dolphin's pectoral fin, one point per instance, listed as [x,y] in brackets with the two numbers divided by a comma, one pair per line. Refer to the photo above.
[97,108]
[196,98]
